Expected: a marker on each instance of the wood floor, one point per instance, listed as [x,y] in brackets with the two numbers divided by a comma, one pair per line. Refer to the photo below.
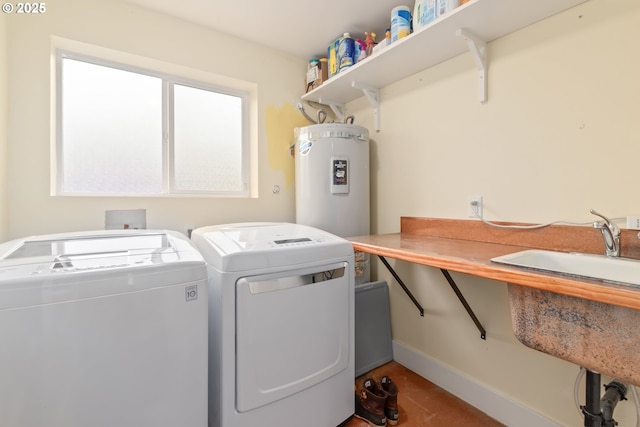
[423,404]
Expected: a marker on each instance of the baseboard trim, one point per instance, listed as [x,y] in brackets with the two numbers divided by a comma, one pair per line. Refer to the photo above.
[489,401]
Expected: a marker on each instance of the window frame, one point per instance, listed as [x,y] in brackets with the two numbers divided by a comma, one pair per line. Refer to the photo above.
[168,140]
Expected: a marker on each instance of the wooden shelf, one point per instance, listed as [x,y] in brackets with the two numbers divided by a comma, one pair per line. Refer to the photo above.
[467,246]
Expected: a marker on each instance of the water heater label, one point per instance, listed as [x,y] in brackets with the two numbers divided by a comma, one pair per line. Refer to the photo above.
[339,175]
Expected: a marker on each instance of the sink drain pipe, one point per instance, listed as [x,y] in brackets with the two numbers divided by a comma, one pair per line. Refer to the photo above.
[598,411]
[614,392]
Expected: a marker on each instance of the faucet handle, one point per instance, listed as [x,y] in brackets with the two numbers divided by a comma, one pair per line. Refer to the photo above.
[610,233]
[607,220]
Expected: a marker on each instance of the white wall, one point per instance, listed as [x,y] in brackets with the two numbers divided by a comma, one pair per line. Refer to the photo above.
[559,135]
[115,25]
[4,112]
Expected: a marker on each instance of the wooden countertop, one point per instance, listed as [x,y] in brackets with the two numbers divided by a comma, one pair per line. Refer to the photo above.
[467,246]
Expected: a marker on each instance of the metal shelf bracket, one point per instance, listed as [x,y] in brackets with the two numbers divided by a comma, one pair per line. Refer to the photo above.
[478,49]
[401,283]
[373,95]
[452,283]
[463,301]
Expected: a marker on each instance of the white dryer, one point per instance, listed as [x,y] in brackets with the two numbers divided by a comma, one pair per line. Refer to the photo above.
[281,325]
[103,329]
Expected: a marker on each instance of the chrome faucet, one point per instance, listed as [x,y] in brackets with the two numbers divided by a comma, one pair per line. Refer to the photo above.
[610,233]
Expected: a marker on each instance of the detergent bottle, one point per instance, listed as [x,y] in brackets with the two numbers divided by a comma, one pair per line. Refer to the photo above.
[346,52]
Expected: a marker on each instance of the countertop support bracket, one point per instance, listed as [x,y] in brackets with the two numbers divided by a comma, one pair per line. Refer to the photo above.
[373,95]
[478,49]
[338,108]
[483,332]
[404,287]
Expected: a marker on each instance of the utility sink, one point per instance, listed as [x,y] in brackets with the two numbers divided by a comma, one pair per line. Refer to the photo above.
[602,267]
[599,336]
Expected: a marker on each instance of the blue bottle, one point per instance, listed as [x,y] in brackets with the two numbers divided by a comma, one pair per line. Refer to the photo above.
[346,52]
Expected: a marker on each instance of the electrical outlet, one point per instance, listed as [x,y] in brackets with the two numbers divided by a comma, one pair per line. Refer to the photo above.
[633,222]
[475,206]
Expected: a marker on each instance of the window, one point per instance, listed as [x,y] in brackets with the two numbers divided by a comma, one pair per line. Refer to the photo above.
[123,130]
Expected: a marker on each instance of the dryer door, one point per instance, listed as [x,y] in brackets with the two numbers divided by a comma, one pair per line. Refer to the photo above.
[292,331]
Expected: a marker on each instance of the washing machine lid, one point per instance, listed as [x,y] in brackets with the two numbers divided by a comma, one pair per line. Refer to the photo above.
[93,250]
[253,246]
[63,267]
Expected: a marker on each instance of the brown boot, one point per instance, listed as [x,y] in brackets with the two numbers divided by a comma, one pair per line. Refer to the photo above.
[391,405]
[370,403]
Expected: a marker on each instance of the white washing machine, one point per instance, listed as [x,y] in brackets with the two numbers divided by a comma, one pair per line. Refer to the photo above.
[103,329]
[281,325]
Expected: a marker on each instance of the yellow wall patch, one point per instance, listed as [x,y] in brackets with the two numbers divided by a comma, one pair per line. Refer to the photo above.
[280,125]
